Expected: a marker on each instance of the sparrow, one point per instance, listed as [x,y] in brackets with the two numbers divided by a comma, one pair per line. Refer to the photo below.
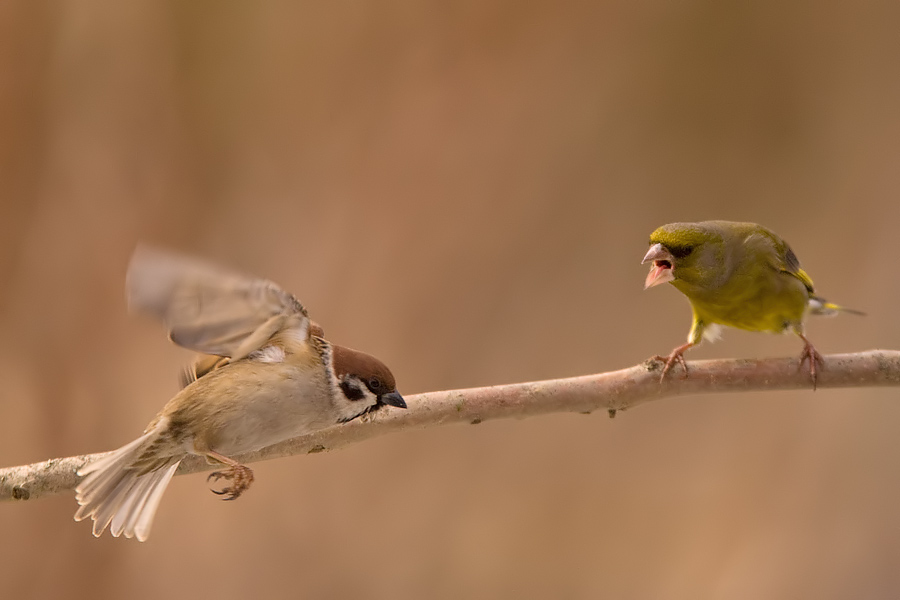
[269,375]
[740,275]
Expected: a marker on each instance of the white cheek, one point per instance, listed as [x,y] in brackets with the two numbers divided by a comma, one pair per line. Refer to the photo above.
[349,409]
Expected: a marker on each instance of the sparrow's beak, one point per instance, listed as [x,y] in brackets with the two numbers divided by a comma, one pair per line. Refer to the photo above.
[661,271]
[393,399]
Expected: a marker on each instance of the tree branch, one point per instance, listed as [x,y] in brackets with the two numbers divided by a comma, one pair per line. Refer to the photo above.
[613,391]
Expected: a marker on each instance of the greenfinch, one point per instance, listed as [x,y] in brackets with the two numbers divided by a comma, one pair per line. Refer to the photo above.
[741,275]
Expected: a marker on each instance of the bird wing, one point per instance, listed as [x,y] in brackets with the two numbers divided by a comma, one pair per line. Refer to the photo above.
[792,267]
[209,309]
[778,254]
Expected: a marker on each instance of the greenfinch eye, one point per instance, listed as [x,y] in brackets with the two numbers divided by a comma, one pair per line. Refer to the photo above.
[681,251]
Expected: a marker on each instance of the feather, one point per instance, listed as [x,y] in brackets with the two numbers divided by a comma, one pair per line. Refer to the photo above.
[115,492]
[210,309]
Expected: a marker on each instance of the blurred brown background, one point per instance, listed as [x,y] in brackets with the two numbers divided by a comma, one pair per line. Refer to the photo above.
[465,190]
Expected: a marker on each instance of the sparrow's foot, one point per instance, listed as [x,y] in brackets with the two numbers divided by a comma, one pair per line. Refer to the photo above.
[240,477]
[675,357]
[815,359]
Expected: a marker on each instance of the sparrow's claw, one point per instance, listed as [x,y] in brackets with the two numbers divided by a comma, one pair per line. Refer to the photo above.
[240,476]
[217,475]
[812,355]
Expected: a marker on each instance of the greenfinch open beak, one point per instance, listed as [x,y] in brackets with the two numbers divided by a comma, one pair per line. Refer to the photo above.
[661,271]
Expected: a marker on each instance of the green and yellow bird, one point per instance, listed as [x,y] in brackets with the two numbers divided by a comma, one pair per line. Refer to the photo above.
[741,275]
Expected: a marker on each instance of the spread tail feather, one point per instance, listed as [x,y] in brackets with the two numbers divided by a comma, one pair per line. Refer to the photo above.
[821,307]
[116,492]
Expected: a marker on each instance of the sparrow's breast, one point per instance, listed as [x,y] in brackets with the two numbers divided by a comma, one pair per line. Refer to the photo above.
[252,404]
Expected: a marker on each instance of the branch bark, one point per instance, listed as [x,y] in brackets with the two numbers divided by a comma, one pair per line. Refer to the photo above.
[612,391]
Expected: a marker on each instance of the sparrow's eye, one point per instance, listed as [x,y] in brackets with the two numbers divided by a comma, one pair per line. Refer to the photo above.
[374,384]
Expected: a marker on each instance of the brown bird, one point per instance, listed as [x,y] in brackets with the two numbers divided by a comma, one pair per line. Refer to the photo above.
[270,377]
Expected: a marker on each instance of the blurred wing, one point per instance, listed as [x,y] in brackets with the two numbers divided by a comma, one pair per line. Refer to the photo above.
[209,309]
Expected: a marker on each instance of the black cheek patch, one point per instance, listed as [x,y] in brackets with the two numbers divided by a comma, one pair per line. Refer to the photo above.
[351,392]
